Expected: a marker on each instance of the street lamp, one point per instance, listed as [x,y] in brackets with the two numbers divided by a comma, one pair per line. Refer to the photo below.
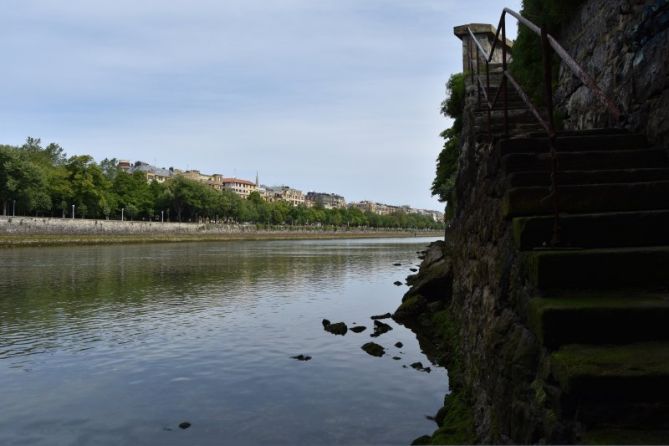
[14,208]
[161,216]
[72,212]
[122,209]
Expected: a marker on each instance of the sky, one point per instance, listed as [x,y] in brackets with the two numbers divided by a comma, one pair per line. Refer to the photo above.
[335,96]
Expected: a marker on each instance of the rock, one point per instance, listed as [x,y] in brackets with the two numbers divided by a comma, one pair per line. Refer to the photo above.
[184,425]
[373,349]
[413,270]
[397,264]
[419,366]
[425,439]
[397,282]
[382,316]
[358,329]
[380,328]
[338,328]
[301,357]
[396,358]
[325,323]
[412,306]
[399,345]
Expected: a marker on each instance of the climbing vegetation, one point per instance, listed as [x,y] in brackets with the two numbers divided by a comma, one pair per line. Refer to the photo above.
[447,161]
[527,64]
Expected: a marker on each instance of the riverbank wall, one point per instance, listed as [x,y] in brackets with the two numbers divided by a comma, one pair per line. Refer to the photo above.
[475,300]
[35,231]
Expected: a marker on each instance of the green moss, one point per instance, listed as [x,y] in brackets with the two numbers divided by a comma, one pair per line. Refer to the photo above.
[631,360]
[623,436]
[457,426]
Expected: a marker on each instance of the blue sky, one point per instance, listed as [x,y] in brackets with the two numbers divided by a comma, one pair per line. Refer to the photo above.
[335,96]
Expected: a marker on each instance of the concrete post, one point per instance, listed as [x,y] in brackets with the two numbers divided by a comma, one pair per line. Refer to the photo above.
[485,34]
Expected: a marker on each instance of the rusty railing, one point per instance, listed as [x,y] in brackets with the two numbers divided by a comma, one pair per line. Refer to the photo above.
[549,44]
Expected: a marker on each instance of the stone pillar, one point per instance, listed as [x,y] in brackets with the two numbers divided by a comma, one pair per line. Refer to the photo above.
[485,34]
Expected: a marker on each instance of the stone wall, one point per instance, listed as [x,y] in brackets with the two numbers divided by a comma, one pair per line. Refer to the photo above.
[36,225]
[624,45]
[68,226]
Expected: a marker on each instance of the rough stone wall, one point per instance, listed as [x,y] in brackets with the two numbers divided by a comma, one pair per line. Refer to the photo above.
[504,369]
[624,45]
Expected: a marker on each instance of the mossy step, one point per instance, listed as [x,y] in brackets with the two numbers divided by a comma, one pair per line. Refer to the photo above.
[600,318]
[576,177]
[573,143]
[587,160]
[625,436]
[602,375]
[587,198]
[587,132]
[601,230]
[599,268]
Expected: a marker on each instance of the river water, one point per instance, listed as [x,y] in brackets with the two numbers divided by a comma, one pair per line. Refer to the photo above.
[121,344]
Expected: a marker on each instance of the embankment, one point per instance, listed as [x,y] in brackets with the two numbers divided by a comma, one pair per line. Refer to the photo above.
[33,231]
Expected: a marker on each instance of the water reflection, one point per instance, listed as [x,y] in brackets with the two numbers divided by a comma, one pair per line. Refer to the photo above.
[135,338]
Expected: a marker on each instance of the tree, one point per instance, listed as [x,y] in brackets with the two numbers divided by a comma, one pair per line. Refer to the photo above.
[447,161]
[89,185]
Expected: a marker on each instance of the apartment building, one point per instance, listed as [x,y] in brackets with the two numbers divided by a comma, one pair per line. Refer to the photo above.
[328,201]
[285,193]
[241,187]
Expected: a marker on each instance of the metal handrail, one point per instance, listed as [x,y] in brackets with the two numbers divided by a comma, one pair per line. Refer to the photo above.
[548,43]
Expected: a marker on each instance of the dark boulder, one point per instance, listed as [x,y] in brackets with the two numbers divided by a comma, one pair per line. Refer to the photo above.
[301,357]
[382,316]
[338,328]
[358,329]
[373,349]
[380,328]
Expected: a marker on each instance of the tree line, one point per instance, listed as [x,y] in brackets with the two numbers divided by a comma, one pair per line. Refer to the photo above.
[43,181]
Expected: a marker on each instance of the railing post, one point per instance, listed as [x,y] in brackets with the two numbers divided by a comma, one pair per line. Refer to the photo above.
[478,73]
[548,77]
[503,84]
[488,105]
[471,59]
[548,89]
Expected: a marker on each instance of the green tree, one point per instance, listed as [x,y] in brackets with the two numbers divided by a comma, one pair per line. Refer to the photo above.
[447,161]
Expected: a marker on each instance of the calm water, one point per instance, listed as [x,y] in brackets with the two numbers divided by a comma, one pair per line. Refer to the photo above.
[119,344]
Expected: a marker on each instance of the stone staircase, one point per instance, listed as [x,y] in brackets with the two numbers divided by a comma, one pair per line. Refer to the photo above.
[601,305]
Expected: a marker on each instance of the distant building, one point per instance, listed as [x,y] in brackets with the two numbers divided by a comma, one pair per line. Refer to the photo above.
[328,201]
[195,175]
[285,193]
[124,165]
[241,187]
[152,173]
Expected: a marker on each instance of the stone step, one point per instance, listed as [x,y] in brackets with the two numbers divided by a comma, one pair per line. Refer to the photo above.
[587,132]
[585,199]
[574,177]
[513,105]
[569,143]
[597,317]
[616,435]
[604,230]
[606,268]
[596,376]
[590,160]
